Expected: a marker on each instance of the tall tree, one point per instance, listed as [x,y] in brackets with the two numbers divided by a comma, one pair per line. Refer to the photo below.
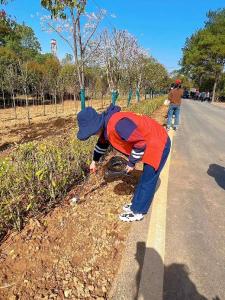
[52,70]
[204,52]
[24,80]
[72,11]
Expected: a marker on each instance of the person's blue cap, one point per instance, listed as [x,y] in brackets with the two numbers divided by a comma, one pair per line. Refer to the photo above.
[89,122]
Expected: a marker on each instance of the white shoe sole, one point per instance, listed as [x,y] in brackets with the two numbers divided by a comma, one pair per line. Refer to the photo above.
[125,219]
[127,209]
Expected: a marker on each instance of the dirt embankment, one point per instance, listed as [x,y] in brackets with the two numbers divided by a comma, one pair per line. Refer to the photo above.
[17,131]
[49,128]
[13,132]
[73,252]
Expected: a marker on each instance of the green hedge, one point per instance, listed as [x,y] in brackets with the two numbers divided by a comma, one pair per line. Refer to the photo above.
[38,174]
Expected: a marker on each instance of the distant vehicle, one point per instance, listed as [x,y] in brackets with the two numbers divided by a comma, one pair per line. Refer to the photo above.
[202,96]
[186,94]
[193,93]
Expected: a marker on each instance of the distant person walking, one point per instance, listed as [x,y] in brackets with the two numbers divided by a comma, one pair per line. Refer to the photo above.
[207,97]
[197,93]
[174,97]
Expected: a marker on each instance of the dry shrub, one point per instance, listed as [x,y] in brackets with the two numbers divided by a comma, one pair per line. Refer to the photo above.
[38,174]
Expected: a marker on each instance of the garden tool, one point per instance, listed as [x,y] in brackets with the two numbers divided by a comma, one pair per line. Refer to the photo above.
[116,168]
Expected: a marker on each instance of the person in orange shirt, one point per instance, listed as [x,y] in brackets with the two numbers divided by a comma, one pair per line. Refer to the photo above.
[140,138]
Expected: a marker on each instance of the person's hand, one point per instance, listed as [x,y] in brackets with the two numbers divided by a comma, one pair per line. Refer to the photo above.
[129,169]
[93,167]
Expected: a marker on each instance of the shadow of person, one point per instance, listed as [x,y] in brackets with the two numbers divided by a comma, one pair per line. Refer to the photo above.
[149,278]
[156,281]
[139,256]
[218,172]
[177,284]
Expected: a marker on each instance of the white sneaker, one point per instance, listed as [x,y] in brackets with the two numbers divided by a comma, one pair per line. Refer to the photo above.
[130,217]
[127,207]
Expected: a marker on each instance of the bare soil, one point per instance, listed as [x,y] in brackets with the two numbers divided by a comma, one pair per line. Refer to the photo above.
[17,131]
[73,252]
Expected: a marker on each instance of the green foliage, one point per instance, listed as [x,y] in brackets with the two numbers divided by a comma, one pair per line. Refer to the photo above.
[58,8]
[7,28]
[4,1]
[155,75]
[204,52]
[18,37]
[37,175]
[147,107]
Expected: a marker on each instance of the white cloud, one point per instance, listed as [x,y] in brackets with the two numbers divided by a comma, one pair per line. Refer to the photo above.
[113,16]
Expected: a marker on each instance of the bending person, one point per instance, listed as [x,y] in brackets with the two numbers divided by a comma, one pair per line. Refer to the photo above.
[137,136]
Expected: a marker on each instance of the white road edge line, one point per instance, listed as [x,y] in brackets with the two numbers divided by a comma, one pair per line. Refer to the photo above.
[151,283]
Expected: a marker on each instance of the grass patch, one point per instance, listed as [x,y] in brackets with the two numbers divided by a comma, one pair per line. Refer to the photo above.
[37,175]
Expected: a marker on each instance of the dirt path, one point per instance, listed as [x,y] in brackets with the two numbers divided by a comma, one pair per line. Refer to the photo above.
[75,251]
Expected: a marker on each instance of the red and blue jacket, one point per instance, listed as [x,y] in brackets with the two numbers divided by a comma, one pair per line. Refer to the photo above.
[137,136]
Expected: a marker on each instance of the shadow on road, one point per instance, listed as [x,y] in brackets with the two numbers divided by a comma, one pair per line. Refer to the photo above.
[177,282]
[218,172]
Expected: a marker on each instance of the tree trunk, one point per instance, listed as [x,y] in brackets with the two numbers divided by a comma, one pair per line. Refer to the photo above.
[43,103]
[14,105]
[3,96]
[80,70]
[55,100]
[115,95]
[74,99]
[28,110]
[62,99]
[108,79]
[137,94]
[129,97]
[214,91]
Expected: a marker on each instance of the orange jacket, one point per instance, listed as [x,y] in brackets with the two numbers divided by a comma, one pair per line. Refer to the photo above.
[153,133]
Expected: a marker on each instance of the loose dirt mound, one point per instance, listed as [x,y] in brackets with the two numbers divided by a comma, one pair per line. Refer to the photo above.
[73,252]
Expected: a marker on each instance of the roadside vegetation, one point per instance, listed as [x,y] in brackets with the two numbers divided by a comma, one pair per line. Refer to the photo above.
[204,56]
[102,64]
[37,175]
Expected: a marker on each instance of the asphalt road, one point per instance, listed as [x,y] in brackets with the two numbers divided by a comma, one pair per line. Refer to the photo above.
[194,264]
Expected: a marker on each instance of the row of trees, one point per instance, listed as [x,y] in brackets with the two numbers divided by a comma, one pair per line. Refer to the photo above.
[102,62]
[117,53]
[204,54]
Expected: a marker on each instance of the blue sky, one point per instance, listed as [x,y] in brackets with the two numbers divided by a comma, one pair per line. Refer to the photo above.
[160,26]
